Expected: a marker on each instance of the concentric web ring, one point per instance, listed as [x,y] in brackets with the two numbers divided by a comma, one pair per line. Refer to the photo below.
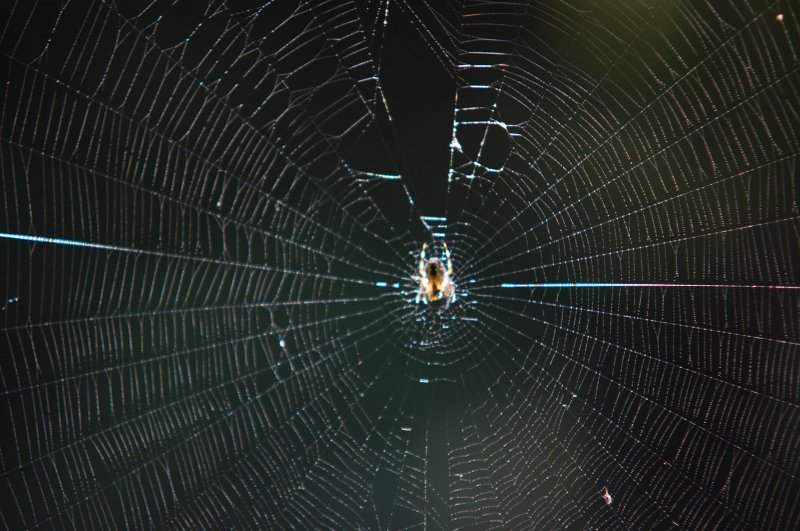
[211,225]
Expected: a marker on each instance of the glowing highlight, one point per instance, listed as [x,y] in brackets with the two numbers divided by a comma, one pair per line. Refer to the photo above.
[641,285]
[63,241]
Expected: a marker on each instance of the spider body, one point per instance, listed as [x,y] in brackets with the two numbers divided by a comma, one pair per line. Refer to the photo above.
[435,279]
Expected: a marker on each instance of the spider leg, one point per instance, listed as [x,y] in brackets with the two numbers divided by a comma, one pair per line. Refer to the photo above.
[422,261]
[421,294]
[449,262]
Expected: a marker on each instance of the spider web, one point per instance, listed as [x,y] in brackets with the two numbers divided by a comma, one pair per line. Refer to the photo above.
[212,213]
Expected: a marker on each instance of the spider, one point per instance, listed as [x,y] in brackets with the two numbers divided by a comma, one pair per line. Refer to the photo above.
[435,282]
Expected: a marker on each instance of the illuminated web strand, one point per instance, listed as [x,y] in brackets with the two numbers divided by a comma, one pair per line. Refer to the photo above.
[642,285]
[133,250]
[71,243]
